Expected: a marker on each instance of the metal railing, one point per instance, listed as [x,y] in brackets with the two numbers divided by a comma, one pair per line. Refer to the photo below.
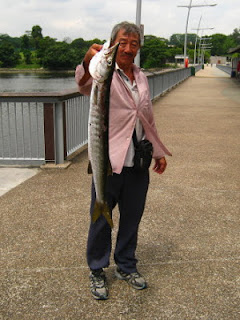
[77,111]
[39,127]
[21,132]
[198,67]
[159,83]
[227,69]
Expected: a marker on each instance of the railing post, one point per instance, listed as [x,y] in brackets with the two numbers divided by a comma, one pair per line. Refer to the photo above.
[49,131]
[59,132]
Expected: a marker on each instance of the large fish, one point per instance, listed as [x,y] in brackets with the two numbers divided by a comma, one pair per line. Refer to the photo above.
[101,69]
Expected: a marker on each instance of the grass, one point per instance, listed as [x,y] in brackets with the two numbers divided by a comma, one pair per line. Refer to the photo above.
[23,66]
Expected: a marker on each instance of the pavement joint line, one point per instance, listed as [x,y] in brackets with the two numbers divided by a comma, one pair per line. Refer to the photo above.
[195,188]
[199,76]
[176,262]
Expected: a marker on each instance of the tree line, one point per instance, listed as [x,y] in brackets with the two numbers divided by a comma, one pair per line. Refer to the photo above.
[33,50]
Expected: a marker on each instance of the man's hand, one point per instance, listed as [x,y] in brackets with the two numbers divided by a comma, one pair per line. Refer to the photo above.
[90,53]
[88,56]
[160,165]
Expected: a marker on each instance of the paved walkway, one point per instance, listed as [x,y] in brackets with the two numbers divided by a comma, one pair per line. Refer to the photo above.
[189,239]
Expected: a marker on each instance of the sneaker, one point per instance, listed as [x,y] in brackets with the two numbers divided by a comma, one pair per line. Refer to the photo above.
[135,279]
[98,284]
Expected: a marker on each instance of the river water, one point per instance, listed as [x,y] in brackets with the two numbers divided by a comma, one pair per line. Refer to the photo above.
[36,82]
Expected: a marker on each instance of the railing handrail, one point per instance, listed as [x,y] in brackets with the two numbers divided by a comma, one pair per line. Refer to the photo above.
[60,115]
[48,97]
[58,96]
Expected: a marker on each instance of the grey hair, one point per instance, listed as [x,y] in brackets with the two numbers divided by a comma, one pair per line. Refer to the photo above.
[128,27]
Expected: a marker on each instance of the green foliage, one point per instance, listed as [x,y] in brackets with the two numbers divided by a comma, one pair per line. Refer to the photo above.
[59,56]
[32,50]
[25,42]
[36,36]
[153,53]
[218,41]
[27,56]
[178,39]
[43,46]
[8,57]
[235,36]
[15,42]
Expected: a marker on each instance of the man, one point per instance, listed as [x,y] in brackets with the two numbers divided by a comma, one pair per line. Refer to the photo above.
[130,107]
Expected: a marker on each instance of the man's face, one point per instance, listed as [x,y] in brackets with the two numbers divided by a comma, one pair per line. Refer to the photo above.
[128,48]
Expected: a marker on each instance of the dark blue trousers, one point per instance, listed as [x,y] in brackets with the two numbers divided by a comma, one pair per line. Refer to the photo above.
[128,190]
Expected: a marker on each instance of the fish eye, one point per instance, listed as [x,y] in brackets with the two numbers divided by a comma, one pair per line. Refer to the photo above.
[109,61]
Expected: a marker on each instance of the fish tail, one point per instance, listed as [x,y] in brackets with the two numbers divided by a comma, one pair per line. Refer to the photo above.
[102,208]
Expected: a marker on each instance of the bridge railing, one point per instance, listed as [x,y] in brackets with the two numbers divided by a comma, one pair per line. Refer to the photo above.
[36,128]
[227,69]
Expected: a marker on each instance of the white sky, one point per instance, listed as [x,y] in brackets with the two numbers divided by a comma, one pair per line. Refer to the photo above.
[90,19]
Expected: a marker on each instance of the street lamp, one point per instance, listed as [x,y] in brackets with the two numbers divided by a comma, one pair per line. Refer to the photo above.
[195,49]
[198,28]
[190,6]
[200,44]
[138,23]
[204,48]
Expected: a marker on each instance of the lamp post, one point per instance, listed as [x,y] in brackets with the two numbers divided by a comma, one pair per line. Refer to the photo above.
[195,50]
[200,45]
[190,6]
[138,23]
[203,48]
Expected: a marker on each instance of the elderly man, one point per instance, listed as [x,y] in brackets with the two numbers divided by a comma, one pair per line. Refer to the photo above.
[130,108]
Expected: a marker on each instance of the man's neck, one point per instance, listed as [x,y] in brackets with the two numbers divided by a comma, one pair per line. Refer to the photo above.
[128,71]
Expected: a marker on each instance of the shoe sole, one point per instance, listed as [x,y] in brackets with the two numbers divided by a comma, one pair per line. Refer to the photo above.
[99,298]
[118,275]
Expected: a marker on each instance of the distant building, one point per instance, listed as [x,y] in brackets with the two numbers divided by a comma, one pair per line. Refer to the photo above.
[179,59]
[218,60]
[235,62]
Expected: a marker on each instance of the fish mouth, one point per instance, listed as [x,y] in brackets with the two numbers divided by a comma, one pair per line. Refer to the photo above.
[111,54]
[112,50]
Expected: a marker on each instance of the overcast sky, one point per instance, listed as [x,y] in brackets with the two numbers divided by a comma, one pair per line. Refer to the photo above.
[90,19]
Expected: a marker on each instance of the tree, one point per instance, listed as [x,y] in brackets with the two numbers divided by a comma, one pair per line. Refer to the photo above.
[8,56]
[27,56]
[219,46]
[43,46]
[15,42]
[36,35]
[36,32]
[235,36]
[172,52]
[25,42]
[178,39]
[59,56]
[153,53]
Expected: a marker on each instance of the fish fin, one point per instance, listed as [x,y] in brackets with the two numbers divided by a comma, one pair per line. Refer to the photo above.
[107,215]
[103,209]
[89,169]
[96,211]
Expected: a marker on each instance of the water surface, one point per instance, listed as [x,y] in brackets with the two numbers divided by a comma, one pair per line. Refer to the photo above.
[36,82]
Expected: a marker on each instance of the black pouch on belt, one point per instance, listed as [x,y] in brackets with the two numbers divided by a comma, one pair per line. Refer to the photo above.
[143,153]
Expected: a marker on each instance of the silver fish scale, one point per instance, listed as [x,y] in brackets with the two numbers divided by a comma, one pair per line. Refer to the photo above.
[97,142]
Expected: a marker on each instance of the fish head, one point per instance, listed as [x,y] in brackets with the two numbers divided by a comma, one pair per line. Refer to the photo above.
[103,63]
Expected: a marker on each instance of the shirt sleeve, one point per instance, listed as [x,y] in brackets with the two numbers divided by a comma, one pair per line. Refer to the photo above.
[86,88]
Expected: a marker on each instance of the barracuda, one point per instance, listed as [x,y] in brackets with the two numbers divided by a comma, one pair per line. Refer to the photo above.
[101,69]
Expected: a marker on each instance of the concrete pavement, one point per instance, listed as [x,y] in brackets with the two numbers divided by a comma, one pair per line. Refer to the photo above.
[11,177]
[189,239]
